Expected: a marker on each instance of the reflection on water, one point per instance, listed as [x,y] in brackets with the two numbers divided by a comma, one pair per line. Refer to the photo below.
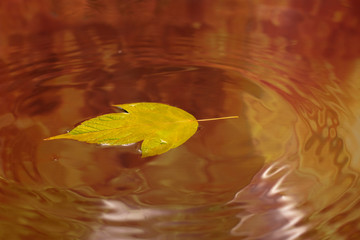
[287,169]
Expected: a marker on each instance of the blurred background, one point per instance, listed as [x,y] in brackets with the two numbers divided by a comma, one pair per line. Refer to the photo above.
[287,169]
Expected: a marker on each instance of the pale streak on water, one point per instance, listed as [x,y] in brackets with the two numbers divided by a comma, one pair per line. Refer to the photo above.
[288,169]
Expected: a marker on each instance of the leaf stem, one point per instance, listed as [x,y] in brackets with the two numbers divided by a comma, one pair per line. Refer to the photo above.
[213,119]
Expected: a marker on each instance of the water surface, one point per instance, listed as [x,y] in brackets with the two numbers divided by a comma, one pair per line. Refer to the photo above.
[286,169]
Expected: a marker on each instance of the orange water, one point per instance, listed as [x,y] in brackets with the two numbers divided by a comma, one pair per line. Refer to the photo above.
[287,169]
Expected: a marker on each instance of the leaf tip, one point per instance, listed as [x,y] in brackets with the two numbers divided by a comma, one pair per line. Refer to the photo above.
[56,137]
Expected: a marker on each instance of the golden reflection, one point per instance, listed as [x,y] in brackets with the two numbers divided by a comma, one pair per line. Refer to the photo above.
[286,169]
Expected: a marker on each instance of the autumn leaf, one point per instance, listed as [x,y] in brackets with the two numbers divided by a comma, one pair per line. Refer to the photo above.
[160,127]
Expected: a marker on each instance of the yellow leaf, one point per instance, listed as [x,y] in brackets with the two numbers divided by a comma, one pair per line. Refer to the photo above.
[161,127]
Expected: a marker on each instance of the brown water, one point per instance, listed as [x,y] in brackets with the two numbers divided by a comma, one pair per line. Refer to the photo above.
[288,168]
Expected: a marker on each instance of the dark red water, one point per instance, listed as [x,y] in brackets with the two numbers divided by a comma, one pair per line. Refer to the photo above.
[287,169]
